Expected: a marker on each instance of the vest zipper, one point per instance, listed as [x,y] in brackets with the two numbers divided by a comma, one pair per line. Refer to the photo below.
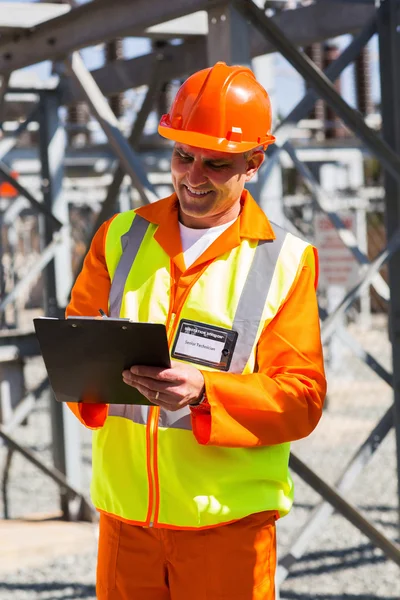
[153,419]
[154,502]
[153,429]
[154,493]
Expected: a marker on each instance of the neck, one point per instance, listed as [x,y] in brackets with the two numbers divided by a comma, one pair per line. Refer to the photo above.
[207,221]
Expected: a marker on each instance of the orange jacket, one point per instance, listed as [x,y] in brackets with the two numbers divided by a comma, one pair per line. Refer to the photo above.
[285,396]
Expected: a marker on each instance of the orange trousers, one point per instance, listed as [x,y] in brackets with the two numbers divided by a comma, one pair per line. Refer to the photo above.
[230,562]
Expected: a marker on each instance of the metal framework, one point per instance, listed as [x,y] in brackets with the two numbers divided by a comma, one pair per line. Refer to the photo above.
[238,30]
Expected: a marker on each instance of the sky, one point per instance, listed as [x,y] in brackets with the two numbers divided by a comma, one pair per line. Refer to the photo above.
[288,86]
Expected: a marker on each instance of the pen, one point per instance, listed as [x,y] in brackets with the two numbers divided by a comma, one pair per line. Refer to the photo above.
[103,314]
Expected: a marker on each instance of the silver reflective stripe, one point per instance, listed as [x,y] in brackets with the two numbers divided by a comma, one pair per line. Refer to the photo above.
[253,298]
[130,242]
[179,419]
[133,412]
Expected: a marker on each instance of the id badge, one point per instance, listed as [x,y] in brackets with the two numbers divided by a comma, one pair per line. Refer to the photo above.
[204,344]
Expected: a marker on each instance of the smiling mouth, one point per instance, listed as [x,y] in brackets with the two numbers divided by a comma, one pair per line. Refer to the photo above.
[196,193]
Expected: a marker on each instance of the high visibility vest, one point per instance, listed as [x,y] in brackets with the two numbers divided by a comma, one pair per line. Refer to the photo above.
[148,468]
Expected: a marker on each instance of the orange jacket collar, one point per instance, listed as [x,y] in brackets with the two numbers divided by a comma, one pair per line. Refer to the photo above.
[252,224]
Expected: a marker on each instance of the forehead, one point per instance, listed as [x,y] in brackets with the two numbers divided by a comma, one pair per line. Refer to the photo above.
[203,153]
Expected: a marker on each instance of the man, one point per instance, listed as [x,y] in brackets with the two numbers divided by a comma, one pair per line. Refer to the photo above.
[189,489]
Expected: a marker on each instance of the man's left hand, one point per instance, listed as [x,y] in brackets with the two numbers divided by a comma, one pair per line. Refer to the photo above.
[171,389]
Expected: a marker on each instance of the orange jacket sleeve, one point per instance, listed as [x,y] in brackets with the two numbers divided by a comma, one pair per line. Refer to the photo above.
[282,401]
[91,292]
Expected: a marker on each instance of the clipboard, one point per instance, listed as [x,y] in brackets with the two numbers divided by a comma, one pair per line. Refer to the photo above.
[85,357]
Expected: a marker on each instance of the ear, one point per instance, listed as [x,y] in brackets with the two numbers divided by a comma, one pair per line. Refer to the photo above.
[254,162]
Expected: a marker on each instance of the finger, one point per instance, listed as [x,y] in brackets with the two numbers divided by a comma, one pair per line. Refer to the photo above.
[157,373]
[152,384]
[144,371]
[151,395]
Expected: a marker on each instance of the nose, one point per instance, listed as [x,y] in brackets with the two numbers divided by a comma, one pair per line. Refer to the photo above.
[195,176]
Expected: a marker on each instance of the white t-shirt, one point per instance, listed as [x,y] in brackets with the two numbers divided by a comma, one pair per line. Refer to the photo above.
[196,241]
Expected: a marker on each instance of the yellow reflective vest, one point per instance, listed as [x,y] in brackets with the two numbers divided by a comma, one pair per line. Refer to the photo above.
[148,468]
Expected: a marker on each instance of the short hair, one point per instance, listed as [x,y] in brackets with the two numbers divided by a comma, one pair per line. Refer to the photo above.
[250,153]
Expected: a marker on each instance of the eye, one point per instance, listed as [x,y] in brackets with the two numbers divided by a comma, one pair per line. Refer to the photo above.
[183,157]
[217,166]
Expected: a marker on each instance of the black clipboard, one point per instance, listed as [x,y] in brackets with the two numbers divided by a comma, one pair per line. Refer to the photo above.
[85,357]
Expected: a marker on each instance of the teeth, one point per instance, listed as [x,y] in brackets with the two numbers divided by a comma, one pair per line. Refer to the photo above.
[196,193]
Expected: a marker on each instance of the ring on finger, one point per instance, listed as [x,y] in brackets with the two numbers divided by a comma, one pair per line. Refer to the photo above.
[156,396]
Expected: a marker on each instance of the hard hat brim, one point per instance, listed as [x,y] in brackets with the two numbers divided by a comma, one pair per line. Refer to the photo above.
[201,140]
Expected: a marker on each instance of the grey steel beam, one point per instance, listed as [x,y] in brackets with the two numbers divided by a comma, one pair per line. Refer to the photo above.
[178,62]
[107,207]
[86,511]
[323,201]
[314,23]
[26,341]
[52,144]
[8,143]
[5,174]
[4,84]
[321,84]
[2,271]
[328,326]
[286,127]
[352,515]
[109,123]
[303,26]
[14,209]
[350,341]
[91,24]
[66,440]
[44,259]
[366,2]
[4,482]
[18,17]
[389,51]
[25,406]
[228,37]
[323,510]
[362,354]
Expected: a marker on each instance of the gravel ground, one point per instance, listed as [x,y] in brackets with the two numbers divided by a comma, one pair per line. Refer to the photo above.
[339,562]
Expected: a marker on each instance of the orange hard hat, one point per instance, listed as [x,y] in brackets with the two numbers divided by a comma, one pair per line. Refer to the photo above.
[220,108]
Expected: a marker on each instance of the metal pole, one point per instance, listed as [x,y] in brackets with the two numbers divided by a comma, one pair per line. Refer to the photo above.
[321,84]
[109,123]
[65,427]
[389,51]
